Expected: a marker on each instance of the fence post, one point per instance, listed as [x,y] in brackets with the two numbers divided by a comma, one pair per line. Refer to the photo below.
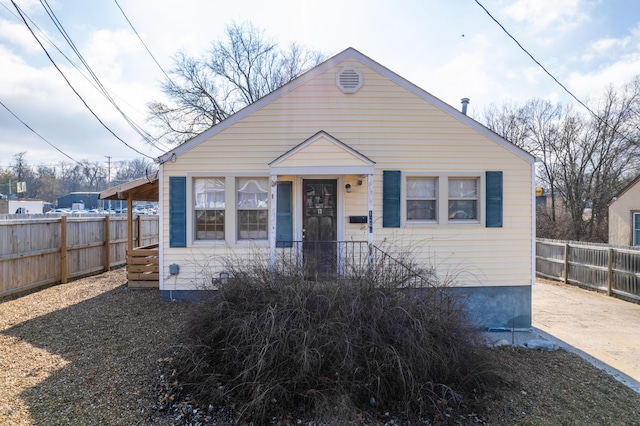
[107,243]
[63,250]
[610,271]
[566,263]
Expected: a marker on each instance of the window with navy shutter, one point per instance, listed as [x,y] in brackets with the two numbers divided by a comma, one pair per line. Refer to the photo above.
[391,185]
[494,199]
[177,211]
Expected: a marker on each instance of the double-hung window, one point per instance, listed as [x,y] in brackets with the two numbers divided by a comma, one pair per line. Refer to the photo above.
[209,208]
[463,199]
[422,199]
[636,229]
[253,208]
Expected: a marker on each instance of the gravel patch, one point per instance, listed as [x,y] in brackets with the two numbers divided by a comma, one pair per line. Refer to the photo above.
[87,352]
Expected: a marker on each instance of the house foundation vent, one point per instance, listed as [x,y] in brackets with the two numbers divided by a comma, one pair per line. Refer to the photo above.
[349,80]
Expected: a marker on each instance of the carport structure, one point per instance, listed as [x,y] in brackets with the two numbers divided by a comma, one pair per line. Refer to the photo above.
[142,262]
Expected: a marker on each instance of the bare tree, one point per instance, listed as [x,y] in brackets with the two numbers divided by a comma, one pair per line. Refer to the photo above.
[614,152]
[47,185]
[237,72]
[95,175]
[72,177]
[23,172]
[7,181]
[585,159]
[536,127]
[130,170]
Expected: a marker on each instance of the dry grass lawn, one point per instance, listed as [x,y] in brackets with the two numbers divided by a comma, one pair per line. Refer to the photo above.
[92,352]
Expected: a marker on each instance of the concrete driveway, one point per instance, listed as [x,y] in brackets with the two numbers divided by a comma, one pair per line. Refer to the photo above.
[602,327]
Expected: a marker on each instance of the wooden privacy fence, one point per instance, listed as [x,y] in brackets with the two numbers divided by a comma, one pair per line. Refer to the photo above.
[615,270]
[41,250]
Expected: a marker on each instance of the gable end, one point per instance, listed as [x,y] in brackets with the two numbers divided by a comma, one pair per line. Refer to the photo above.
[349,80]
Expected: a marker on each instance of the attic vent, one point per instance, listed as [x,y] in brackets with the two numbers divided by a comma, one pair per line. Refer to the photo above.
[349,80]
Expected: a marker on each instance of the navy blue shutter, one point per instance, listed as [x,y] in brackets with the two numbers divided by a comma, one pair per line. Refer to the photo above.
[494,199]
[391,184]
[177,211]
[284,215]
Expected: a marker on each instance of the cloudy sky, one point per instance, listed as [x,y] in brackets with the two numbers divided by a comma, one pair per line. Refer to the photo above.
[450,48]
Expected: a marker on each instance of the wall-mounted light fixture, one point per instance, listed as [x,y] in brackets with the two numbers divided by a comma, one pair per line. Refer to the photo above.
[347,187]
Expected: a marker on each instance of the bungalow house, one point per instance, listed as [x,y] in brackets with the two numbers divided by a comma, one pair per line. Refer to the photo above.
[348,155]
[624,216]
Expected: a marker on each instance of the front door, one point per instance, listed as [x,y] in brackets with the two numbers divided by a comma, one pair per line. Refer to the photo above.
[319,225]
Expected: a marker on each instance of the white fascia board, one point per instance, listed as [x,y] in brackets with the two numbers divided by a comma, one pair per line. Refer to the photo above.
[336,170]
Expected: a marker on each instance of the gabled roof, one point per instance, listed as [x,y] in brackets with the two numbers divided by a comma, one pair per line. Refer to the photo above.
[348,54]
[625,189]
[324,142]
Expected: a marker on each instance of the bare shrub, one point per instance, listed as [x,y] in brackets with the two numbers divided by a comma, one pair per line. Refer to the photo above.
[275,343]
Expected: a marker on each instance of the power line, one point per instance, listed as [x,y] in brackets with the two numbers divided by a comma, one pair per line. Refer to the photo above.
[101,88]
[141,41]
[39,135]
[146,136]
[20,12]
[535,60]
[600,120]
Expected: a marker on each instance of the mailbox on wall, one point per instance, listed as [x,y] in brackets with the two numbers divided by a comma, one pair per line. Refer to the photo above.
[357,219]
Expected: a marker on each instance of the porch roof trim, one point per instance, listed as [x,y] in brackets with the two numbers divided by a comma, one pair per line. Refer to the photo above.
[140,190]
[321,170]
[358,159]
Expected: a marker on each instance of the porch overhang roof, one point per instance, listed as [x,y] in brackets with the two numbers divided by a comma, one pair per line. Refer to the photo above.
[322,154]
[140,190]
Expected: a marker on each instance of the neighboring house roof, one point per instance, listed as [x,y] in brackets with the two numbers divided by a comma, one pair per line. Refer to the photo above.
[348,54]
[625,189]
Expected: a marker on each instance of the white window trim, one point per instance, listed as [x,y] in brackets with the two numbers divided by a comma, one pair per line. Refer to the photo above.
[442,197]
[191,207]
[405,198]
[231,211]
[236,210]
[479,198]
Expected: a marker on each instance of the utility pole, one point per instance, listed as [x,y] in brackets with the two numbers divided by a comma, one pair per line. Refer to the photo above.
[108,179]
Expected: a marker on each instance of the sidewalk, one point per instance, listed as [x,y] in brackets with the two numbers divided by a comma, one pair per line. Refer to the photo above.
[602,327]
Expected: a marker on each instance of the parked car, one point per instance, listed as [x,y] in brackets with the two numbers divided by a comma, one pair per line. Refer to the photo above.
[58,211]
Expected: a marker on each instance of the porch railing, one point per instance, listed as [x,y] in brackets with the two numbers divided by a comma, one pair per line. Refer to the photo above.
[349,260]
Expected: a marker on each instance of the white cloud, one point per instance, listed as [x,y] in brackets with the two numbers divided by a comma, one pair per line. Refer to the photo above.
[541,15]
[615,74]
[15,34]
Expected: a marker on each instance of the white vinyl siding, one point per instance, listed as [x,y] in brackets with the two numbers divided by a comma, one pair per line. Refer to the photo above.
[397,130]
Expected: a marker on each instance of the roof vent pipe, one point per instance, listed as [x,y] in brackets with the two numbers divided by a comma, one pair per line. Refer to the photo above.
[465,102]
